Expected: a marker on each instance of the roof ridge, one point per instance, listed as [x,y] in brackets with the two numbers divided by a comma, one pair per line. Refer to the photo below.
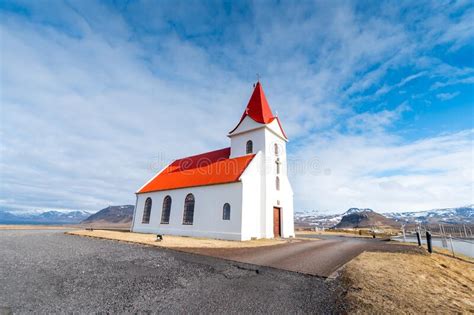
[205,153]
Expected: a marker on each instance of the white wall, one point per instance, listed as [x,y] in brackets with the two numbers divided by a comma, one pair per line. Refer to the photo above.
[252,199]
[208,222]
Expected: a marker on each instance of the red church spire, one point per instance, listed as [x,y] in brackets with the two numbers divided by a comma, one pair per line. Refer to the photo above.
[258,108]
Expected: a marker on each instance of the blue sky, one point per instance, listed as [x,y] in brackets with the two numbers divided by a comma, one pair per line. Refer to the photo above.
[376,97]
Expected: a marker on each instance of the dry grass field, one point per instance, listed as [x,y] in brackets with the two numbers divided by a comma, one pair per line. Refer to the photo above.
[439,250]
[399,283]
[174,241]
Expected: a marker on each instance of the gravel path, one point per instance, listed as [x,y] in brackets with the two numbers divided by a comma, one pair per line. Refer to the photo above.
[49,272]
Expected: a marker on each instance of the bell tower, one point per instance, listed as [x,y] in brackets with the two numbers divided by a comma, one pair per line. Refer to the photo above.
[260,132]
[249,137]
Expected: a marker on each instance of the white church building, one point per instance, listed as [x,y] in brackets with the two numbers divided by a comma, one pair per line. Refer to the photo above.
[238,193]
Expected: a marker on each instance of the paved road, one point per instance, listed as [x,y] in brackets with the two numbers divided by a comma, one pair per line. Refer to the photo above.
[49,272]
[320,258]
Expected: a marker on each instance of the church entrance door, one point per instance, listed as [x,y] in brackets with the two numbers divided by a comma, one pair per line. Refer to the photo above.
[276,222]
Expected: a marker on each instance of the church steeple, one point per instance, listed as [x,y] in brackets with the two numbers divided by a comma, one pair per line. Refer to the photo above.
[258,108]
[259,112]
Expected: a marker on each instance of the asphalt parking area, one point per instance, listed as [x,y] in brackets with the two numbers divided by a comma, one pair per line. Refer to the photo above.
[49,272]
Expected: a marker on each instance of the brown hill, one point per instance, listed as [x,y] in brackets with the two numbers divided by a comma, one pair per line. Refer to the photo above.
[365,218]
[111,216]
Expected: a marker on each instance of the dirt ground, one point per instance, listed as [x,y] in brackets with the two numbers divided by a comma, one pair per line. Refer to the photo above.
[170,241]
[403,283]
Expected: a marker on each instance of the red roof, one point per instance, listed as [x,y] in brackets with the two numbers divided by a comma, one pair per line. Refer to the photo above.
[258,109]
[209,168]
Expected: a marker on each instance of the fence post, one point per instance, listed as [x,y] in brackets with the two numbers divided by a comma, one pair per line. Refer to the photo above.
[452,247]
[403,231]
[418,237]
[428,242]
[444,242]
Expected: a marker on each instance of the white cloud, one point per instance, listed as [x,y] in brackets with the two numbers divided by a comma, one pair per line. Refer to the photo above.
[375,122]
[94,103]
[386,174]
[447,96]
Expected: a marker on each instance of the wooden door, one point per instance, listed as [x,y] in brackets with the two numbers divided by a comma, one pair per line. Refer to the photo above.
[276,222]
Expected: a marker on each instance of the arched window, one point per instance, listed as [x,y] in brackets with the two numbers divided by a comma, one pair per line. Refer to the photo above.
[277,183]
[147,211]
[276,149]
[165,212]
[226,212]
[249,147]
[188,215]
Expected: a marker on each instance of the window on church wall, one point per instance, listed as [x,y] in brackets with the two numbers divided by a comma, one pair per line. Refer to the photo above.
[147,211]
[276,149]
[277,167]
[277,183]
[249,147]
[166,211]
[226,212]
[188,215]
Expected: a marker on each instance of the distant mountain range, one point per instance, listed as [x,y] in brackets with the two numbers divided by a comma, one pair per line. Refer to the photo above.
[46,217]
[122,215]
[459,215]
[352,218]
[112,215]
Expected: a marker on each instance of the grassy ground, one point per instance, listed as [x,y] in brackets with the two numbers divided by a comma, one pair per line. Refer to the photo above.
[400,283]
[174,241]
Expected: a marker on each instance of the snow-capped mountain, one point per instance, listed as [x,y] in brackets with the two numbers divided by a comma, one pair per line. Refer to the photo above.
[316,219]
[357,210]
[43,217]
[310,218]
[460,215]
